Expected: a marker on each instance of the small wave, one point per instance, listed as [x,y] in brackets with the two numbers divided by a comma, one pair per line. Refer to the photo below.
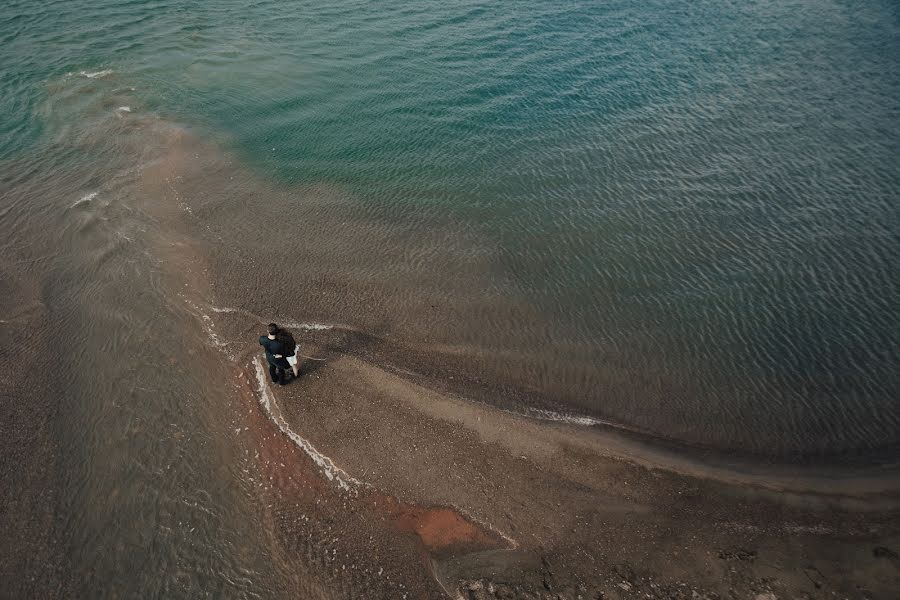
[219,309]
[96,74]
[214,337]
[309,326]
[84,199]
[549,415]
[210,328]
[291,324]
[267,399]
[580,420]
[124,109]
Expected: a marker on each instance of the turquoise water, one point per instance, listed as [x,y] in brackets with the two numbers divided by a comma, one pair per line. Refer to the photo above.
[697,199]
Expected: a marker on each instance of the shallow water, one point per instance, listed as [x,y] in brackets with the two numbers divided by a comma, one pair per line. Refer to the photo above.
[693,207]
[677,219]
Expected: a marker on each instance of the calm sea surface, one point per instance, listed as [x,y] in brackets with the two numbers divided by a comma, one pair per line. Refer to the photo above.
[697,201]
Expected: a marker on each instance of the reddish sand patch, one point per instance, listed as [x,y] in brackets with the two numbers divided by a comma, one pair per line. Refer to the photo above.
[442,529]
[278,458]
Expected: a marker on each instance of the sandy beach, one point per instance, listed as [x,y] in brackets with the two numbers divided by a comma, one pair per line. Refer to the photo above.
[497,505]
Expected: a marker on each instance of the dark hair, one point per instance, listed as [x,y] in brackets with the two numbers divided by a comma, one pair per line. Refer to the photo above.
[284,336]
[273,328]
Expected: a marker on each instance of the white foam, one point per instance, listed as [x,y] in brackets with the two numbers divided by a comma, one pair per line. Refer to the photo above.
[210,328]
[84,199]
[213,336]
[549,415]
[96,74]
[222,310]
[267,400]
[124,109]
[309,326]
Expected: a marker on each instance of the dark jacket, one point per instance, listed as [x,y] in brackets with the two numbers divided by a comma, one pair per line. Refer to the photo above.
[274,347]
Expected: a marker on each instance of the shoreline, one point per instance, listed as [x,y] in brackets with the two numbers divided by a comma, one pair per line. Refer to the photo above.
[415,429]
[616,440]
[422,364]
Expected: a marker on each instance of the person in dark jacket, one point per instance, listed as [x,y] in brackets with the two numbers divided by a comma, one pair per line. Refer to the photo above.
[275,354]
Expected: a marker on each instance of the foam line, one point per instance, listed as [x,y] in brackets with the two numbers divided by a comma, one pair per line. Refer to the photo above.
[290,324]
[96,74]
[549,415]
[84,199]
[267,399]
[308,326]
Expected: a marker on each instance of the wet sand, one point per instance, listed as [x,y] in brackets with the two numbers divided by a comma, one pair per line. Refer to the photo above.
[497,504]
[570,519]
[34,563]
[397,466]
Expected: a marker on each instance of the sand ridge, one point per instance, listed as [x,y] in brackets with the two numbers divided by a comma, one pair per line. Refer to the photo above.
[567,503]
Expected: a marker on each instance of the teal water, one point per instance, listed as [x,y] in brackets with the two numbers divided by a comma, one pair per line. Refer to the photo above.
[698,199]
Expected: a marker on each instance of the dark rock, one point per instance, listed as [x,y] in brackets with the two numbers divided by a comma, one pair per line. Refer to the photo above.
[737,554]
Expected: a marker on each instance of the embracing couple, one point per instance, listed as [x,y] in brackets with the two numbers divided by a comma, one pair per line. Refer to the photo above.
[281,353]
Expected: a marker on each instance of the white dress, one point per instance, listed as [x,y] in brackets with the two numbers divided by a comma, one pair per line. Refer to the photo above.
[292,360]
